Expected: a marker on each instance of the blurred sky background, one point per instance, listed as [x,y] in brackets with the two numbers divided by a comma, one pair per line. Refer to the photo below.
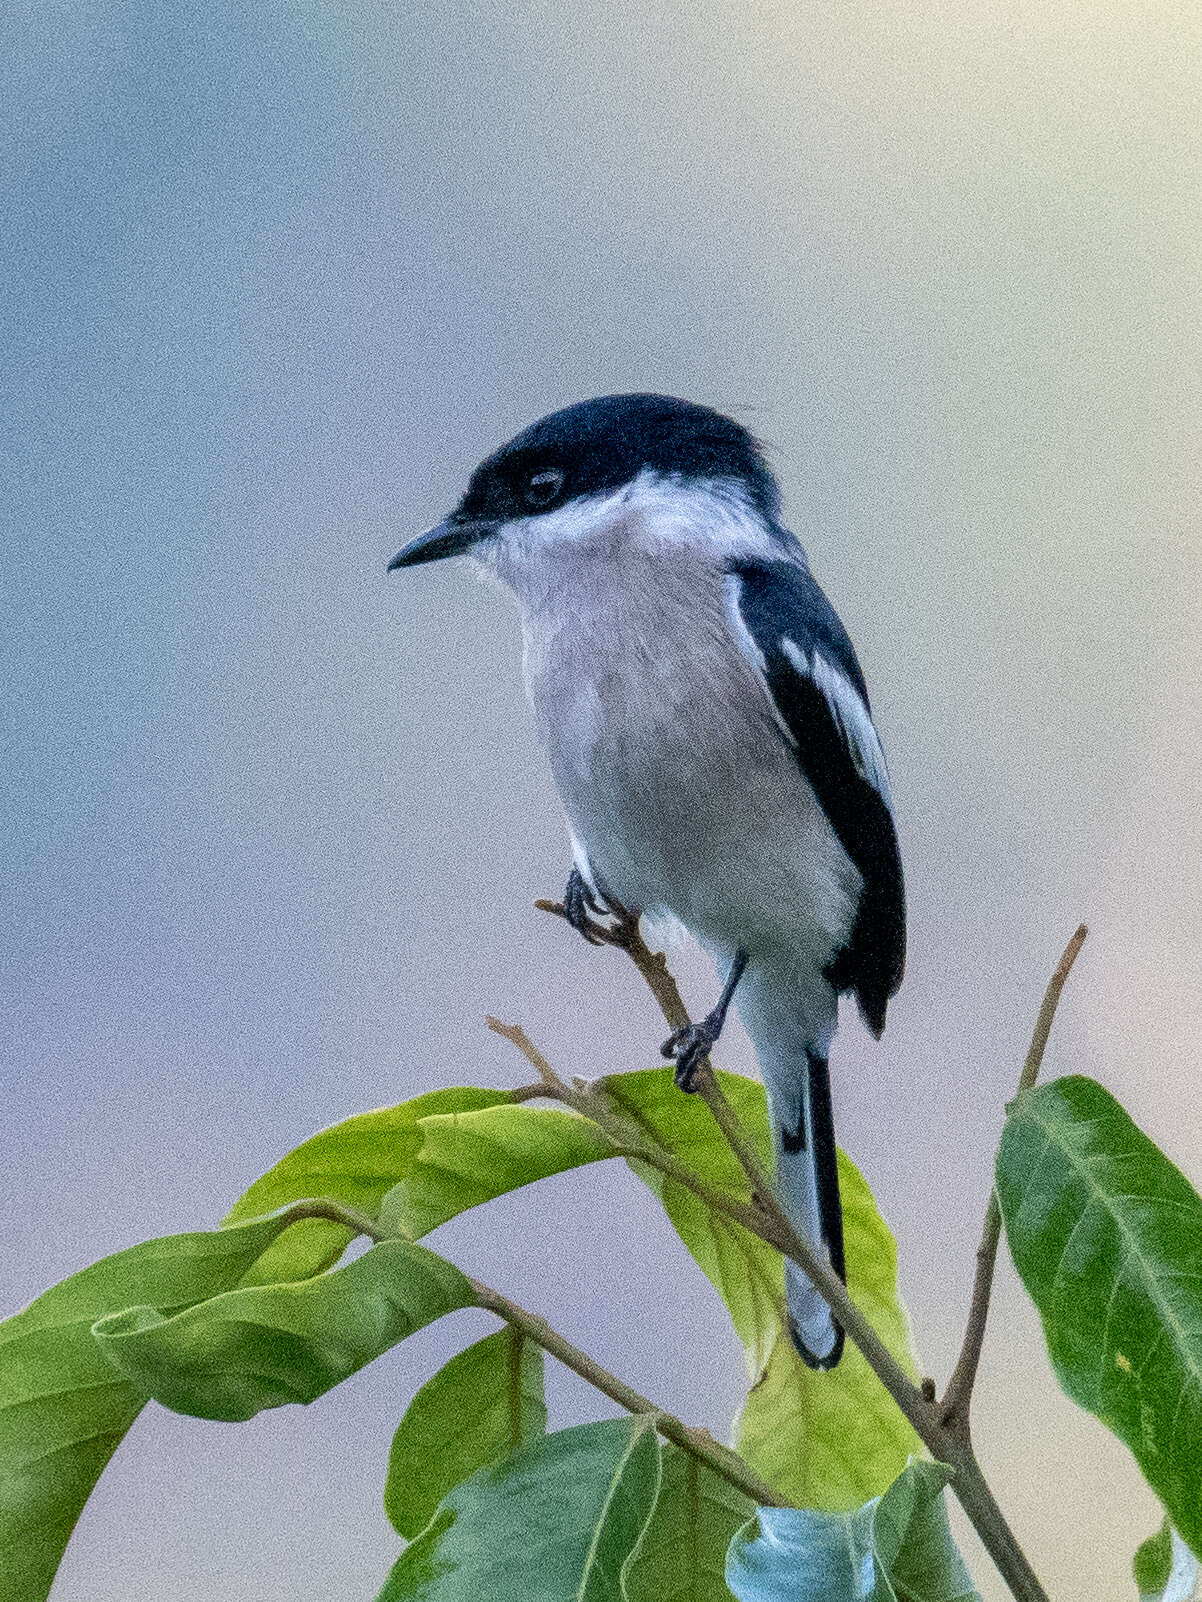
[274,278]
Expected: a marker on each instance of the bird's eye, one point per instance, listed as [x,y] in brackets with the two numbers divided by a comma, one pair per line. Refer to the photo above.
[542,487]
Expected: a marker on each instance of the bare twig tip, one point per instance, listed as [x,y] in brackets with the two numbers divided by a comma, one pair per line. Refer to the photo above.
[518,1037]
[958,1396]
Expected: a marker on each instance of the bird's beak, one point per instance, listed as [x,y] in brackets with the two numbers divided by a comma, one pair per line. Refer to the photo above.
[451,537]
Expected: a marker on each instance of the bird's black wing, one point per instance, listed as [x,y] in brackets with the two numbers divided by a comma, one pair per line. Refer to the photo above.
[795,641]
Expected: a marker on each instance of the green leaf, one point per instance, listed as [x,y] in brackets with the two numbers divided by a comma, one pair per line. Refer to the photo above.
[487,1401]
[355,1162]
[468,1157]
[682,1555]
[1107,1236]
[824,1440]
[263,1345]
[555,1521]
[896,1548]
[1153,1560]
[63,1409]
[1165,1569]
[912,1548]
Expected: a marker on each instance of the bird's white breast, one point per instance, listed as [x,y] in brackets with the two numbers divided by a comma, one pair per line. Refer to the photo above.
[673,772]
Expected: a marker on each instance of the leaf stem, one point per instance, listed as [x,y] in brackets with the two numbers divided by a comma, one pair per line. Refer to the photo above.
[336,1212]
[957,1398]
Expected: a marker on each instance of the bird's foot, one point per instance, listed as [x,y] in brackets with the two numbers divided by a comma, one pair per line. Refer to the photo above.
[579,903]
[689,1047]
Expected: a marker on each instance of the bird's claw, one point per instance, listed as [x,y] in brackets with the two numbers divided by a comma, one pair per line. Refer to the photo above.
[578,901]
[688,1048]
[579,904]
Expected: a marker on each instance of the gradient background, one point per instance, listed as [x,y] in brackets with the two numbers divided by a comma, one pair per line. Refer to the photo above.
[274,279]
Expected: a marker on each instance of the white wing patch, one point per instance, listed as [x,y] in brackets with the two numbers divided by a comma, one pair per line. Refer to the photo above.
[847,707]
[752,652]
[850,715]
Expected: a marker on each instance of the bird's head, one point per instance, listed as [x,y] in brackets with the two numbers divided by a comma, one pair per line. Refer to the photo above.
[572,471]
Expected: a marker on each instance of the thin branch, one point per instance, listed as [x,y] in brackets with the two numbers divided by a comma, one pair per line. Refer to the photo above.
[766,1217]
[1047,1010]
[628,1139]
[528,1092]
[705,1084]
[958,1396]
[699,1443]
[653,966]
[623,932]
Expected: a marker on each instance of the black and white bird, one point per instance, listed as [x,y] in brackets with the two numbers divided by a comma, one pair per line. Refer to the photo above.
[710,735]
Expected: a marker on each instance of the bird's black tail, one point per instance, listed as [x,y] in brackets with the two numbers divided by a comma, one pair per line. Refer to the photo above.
[791,1027]
[807,1177]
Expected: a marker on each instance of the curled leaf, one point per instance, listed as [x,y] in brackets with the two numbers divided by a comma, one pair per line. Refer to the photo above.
[896,1548]
[64,1409]
[263,1345]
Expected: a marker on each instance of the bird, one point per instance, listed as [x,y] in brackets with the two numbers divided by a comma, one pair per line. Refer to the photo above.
[710,735]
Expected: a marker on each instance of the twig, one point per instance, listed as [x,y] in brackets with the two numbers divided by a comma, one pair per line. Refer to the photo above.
[1047,1010]
[705,1084]
[765,1217]
[954,1409]
[698,1443]
[548,1078]
[624,933]
[627,1138]
[528,1092]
